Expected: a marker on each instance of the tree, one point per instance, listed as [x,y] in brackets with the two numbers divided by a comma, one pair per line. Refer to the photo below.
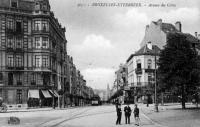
[178,67]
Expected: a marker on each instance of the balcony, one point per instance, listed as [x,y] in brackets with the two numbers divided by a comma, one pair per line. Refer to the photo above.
[138,70]
[149,70]
[19,68]
[33,83]
[40,31]
[14,68]
[19,83]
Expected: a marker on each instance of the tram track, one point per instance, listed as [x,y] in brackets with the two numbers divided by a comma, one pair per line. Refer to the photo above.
[62,119]
[76,116]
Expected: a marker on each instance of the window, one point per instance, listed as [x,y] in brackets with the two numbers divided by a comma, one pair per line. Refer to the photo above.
[1,93]
[45,61]
[139,80]
[18,42]
[10,60]
[18,26]
[10,79]
[19,96]
[10,42]
[1,77]
[37,61]
[19,79]
[19,61]
[37,42]
[149,78]
[37,25]
[139,64]
[33,79]
[44,25]
[10,24]
[14,4]
[149,64]
[45,41]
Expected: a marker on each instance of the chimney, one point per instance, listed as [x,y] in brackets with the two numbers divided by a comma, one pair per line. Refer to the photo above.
[178,26]
[147,28]
[196,34]
[149,45]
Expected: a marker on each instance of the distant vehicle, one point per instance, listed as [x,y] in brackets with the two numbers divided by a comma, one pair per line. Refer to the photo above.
[96,100]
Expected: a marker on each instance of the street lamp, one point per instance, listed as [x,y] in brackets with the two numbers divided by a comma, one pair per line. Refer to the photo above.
[53,103]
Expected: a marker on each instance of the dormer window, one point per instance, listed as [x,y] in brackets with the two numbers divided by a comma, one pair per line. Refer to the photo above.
[14,4]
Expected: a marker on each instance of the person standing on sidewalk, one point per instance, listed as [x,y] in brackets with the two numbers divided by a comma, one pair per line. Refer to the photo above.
[136,115]
[127,113]
[119,115]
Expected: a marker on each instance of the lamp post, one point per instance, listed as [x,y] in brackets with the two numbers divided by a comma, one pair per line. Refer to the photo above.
[156,103]
[53,103]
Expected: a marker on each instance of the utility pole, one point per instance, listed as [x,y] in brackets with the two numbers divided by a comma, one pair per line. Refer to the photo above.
[156,103]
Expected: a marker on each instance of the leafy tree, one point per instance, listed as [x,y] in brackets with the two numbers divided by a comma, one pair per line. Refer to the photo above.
[178,67]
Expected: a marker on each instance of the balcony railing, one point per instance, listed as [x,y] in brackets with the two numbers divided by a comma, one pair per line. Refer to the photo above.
[33,83]
[138,70]
[149,70]
[14,68]
[41,31]
[19,83]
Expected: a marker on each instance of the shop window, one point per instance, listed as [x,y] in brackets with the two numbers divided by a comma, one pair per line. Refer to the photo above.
[19,96]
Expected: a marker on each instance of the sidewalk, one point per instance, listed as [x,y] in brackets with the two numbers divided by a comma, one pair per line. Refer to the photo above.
[42,109]
[172,115]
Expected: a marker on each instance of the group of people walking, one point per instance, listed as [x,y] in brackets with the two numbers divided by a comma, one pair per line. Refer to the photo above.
[127,113]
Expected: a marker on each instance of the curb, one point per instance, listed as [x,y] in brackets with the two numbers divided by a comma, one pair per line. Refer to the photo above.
[155,123]
[40,109]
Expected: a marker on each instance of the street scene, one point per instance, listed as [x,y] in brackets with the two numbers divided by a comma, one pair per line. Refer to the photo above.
[102,63]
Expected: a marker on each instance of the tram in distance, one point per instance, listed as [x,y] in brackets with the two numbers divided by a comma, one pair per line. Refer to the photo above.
[96,100]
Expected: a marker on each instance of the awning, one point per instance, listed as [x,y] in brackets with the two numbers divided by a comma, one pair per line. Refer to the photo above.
[54,93]
[46,94]
[33,94]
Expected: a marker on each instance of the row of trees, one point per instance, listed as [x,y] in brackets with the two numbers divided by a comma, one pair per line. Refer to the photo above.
[179,70]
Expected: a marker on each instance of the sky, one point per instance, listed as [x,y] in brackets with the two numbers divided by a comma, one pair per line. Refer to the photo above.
[101,37]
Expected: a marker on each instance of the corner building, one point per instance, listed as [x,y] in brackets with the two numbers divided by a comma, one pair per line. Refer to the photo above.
[33,55]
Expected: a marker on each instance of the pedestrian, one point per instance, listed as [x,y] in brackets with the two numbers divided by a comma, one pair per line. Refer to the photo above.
[119,115]
[127,113]
[136,115]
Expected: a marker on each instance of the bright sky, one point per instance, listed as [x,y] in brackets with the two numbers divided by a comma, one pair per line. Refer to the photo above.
[100,38]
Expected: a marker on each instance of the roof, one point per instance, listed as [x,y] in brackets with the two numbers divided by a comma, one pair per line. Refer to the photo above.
[191,38]
[145,51]
[167,27]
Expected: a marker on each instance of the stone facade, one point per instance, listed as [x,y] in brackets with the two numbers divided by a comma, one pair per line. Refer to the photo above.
[33,53]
